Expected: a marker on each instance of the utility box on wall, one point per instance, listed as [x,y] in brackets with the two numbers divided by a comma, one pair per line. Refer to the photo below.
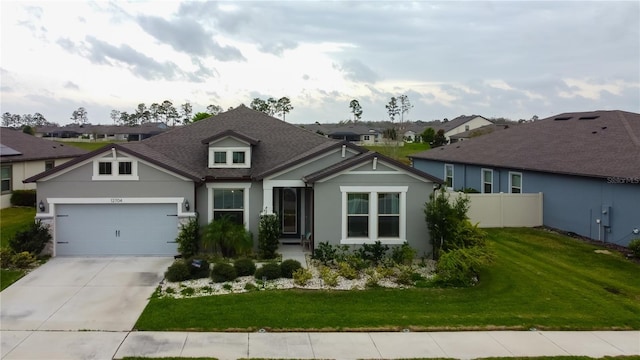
[606,216]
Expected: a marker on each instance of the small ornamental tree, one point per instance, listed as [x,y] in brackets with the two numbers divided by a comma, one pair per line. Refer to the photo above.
[443,219]
[268,236]
[189,238]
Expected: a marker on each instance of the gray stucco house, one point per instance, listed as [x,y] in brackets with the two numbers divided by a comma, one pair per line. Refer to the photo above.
[586,164]
[129,199]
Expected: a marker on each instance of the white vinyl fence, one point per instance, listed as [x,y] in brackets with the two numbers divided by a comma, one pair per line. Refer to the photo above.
[504,210]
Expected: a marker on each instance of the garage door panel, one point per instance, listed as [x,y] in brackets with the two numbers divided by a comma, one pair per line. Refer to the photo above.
[116,229]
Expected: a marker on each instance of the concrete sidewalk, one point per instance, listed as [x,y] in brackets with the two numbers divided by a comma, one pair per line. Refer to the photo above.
[377,345]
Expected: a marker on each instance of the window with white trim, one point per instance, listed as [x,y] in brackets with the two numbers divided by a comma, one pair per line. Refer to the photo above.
[6,178]
[229,203]
[448,175]
[515,182]
[49,164]
[115,168]
[487,181]
[229,157]
[373,213]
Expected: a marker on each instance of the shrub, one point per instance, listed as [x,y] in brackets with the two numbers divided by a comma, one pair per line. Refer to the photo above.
[405,275]
[189,238]
[250,286]
[23,260]
[385,272]
[222,272]
[228,238]
[270,271]
[460,267]
[244,267]
[634,246]
[268,236]
[328,276]
[356,262]
[5,258]
[178,271]
[23,198]
[325,253]
[288,267]
[373,252]
[31,240]
[198,268]
[466,235]
[188,291]
[443,218]
[302,276]
[347,271]
[403,255]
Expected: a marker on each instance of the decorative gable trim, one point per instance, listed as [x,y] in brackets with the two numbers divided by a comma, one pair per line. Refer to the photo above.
[231,133]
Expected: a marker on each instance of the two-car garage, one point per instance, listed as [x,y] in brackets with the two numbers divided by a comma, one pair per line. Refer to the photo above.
[116,229]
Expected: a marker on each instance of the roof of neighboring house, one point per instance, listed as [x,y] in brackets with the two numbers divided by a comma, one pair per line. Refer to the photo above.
[452,124]
[483,130]
[29,148]
[352,130]
[594,144]
[146,128]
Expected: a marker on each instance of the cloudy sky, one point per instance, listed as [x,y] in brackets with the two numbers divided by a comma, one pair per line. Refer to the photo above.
[497,59]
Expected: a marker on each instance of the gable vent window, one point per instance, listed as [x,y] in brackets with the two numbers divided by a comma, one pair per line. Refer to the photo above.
[115,169]
[562,118]
[104,168]
[588,117]
[124,168]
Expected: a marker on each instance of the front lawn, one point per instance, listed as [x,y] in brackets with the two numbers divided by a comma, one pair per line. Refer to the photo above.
[539,280]
[12,220]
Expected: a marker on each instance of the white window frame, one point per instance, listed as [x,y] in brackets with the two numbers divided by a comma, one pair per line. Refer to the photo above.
[229,151]
[483,182]
[373,214]
[229,186]
[115,167]
[511,174]
[10,178]
[447,166]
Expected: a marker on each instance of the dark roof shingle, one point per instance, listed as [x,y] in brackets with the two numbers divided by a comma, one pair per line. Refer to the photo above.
[33,148]
[607,145]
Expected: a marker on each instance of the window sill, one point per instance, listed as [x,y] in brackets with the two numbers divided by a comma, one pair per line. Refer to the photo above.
[115,178]
[360,241]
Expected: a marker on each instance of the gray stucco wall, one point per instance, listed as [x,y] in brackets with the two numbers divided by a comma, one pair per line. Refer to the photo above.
[328,207]
[571,203]
[77,183]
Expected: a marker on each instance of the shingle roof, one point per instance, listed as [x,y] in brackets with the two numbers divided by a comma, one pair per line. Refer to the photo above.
[146,128]
[33,148]
[483,130]
[593,144]
[279,143]
[460,120]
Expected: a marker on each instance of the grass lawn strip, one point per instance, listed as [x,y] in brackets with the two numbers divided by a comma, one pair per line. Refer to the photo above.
[539,280]
[89,146]
[399,153]
[11,221]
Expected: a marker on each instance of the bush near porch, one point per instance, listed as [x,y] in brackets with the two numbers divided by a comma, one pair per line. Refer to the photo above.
[538,279]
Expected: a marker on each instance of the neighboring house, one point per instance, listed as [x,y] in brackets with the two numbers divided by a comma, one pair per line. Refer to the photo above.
[100,132]
[413,132]
[23,155]
[461,124]
[131,198]
[483,130]
[586,164]
[361,135]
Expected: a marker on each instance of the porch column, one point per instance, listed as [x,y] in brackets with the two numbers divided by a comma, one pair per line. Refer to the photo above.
[267,197]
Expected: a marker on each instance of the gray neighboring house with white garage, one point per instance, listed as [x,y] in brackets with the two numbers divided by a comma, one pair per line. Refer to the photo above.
[130,199]
[586,165]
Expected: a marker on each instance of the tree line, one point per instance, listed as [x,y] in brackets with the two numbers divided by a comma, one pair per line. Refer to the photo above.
[26,120]
[271,106]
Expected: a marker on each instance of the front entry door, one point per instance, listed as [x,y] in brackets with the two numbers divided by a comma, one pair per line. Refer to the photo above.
[289,204]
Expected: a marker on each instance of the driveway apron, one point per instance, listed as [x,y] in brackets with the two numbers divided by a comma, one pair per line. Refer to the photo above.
[80,293]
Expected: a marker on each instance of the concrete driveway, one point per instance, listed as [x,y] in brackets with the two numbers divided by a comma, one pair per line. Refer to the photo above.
[79,293]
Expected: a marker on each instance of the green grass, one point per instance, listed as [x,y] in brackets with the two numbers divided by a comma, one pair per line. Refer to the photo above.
[8,277]
[89,146]
[539,280]
[12,220]
[399,153]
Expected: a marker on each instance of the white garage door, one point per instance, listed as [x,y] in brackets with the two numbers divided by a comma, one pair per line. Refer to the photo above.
[118,229]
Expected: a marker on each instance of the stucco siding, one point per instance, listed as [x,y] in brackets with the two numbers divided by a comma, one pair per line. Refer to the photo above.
[328,207]
[152,182]
[228,142]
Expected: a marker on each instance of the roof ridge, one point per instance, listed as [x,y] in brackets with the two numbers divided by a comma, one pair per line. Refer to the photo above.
[627,126]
